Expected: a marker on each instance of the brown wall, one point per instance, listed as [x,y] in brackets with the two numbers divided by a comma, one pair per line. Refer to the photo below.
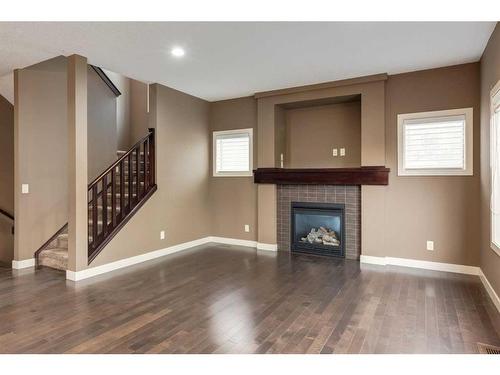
[180,206]
[122,109]
[400,217]
[442,209]
[138,111]
[280,143]
[42,147]
[372,91]
[411,210]
[131,110]
[312,133]
[233,199]
[490,75]
[6,178]
[101,125]
[41,153]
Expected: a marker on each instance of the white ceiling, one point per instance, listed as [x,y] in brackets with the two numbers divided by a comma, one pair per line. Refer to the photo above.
[228,60]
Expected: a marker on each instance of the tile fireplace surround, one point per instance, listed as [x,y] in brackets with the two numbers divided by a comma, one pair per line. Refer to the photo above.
[349,195]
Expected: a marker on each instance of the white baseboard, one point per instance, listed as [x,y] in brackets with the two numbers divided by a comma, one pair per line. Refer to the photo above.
[267,246]
[233,241]
[20,264]
[413,263]
[491,292]
[247,243]
[122,263]
[435,266]
[372,260]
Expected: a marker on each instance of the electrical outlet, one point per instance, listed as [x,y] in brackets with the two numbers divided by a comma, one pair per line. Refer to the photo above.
[162,235]
[247,228]
[342,151]
[25,188]
[430,245]
[335,152]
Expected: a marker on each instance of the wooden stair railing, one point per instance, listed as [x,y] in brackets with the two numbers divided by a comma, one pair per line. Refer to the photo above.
[9,216]
[118,193]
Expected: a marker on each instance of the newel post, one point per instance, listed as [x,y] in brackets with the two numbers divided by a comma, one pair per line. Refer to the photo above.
[77,164]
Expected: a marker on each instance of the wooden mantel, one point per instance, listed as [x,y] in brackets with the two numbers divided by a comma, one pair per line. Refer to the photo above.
[325,176]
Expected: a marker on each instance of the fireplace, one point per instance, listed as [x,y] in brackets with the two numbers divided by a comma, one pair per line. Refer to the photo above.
[317,228]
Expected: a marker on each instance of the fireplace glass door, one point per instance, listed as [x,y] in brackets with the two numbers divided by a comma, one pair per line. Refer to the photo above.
[317,228]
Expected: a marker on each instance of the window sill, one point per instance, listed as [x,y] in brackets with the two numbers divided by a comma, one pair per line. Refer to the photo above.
[435,173]
[495,248]
[232,175]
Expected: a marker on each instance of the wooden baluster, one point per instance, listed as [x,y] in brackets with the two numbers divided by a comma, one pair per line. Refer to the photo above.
[105,205]
[94,216]
[137,169]
[144,167]
[113,198]
[89,216]
[122,190]
[152,157]
[130,185]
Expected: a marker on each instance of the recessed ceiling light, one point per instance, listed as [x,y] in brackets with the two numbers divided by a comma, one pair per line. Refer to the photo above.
[177,52]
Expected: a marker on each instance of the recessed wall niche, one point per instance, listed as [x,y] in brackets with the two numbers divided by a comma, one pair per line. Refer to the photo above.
[307,133]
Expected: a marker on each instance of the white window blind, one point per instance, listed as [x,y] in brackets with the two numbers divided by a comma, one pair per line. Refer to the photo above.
[495,170]
[435,143]
[233,152]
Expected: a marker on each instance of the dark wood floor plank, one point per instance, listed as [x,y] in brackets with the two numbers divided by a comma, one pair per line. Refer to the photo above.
[227,299]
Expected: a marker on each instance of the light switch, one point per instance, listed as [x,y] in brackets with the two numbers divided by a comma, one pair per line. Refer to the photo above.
[334,152]
[162,235]
[25,188]
[342,152]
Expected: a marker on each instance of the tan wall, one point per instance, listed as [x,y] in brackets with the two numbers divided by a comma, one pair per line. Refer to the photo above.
[442,209]
[372,91]
[397,220]
[42,147]
[490,75]
[312,133]
[122,109]
[233,199]
[6,178]
[138,111]
[180,206]
[280,143]
[101,125]
[131,110]
[41,154]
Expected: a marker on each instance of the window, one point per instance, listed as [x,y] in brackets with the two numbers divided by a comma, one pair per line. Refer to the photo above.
[233,152]
[435,143]
[495,167]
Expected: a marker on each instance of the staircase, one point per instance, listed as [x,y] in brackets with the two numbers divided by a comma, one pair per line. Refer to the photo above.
[55,253]
[113,198]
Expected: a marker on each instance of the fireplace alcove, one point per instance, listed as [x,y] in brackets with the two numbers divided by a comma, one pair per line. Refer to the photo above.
[317,228]
[322,144]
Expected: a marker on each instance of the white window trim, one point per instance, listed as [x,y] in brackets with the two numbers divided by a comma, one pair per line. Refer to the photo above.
[249,173]
[494,104]
[468,162]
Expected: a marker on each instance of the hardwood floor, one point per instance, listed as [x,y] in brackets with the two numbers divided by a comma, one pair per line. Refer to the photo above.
[225,299]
